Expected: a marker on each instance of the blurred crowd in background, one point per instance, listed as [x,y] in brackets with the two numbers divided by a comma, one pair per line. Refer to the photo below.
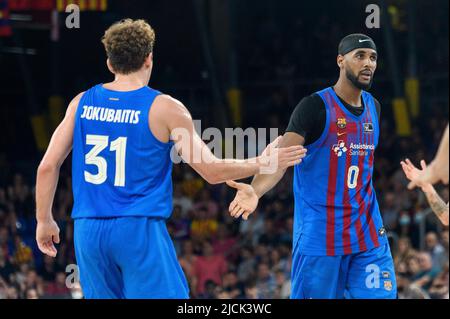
[227,258]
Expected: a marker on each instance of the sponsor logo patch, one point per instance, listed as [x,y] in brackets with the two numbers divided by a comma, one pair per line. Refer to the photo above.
[339,149]
[368,127]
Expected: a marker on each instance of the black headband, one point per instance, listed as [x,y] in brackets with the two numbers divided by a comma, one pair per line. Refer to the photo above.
[355,41]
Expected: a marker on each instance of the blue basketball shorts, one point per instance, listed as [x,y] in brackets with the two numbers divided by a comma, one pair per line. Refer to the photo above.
[365,275]
[127,257]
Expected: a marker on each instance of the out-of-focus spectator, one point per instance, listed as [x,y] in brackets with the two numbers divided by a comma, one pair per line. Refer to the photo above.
[251,291]
[3,288]
[204,202]
[211,290]
[58,288]
[191,185]
[426,274]
[270,236]
[32,293]
[208,266]
[390,211]
[279,262]
[187,259]
[404,251]
[246,265]
[224,244]
[265,282]
[439,288]
[252,228]
[233,286]
[23,253]
[444,242]
[283,290]
[436,250]
[4,242]
[181,200]
[34,282]
[48,269]
[202,226]
[6,268]
[180,225]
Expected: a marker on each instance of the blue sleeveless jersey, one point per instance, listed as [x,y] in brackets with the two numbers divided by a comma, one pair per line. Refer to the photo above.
[118,167]
[336,209]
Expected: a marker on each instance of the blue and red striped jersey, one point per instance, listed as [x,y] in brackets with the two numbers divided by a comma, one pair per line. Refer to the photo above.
[336,209]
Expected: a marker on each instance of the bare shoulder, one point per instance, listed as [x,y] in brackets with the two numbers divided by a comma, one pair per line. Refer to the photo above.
[73,105]
[169,109]
[168,104]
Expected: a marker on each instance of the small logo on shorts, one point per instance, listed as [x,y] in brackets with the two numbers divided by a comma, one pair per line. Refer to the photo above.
[388,285]
[382,231]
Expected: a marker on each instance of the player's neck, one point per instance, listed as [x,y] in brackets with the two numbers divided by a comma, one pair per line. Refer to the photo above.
[128,82]
[348,92]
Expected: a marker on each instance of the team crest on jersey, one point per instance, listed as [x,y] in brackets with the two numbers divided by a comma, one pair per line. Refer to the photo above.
[388,285]
[368,127]
[341,122]
[339,149]
[382,231]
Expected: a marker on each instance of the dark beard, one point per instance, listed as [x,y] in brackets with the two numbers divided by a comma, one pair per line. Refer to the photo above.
[354,79]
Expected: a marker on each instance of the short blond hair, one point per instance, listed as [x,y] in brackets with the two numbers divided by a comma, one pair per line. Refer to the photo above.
[128,43]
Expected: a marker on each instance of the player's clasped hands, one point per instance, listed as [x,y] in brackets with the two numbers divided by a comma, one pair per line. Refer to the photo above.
[246,199]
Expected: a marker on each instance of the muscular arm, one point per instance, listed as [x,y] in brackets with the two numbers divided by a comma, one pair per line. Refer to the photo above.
[47,232]
[438,170]
[441,161]
[437,204]
[262,183]
[197,154]
[48,170]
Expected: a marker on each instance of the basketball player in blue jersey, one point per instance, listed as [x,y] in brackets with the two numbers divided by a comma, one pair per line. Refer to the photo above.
[121,134]
[340,248]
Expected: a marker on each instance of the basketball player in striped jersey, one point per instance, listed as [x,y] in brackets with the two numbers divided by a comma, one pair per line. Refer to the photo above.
[340,247]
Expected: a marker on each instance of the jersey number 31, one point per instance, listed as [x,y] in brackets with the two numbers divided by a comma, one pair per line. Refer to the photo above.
[101,142]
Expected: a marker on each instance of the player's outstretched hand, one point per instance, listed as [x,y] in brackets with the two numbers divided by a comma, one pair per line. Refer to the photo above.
[245,201]
[432,174]
[47,233]
[414,174]
[274,157]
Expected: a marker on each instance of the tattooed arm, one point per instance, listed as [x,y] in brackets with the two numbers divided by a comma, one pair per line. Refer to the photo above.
[439,207]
